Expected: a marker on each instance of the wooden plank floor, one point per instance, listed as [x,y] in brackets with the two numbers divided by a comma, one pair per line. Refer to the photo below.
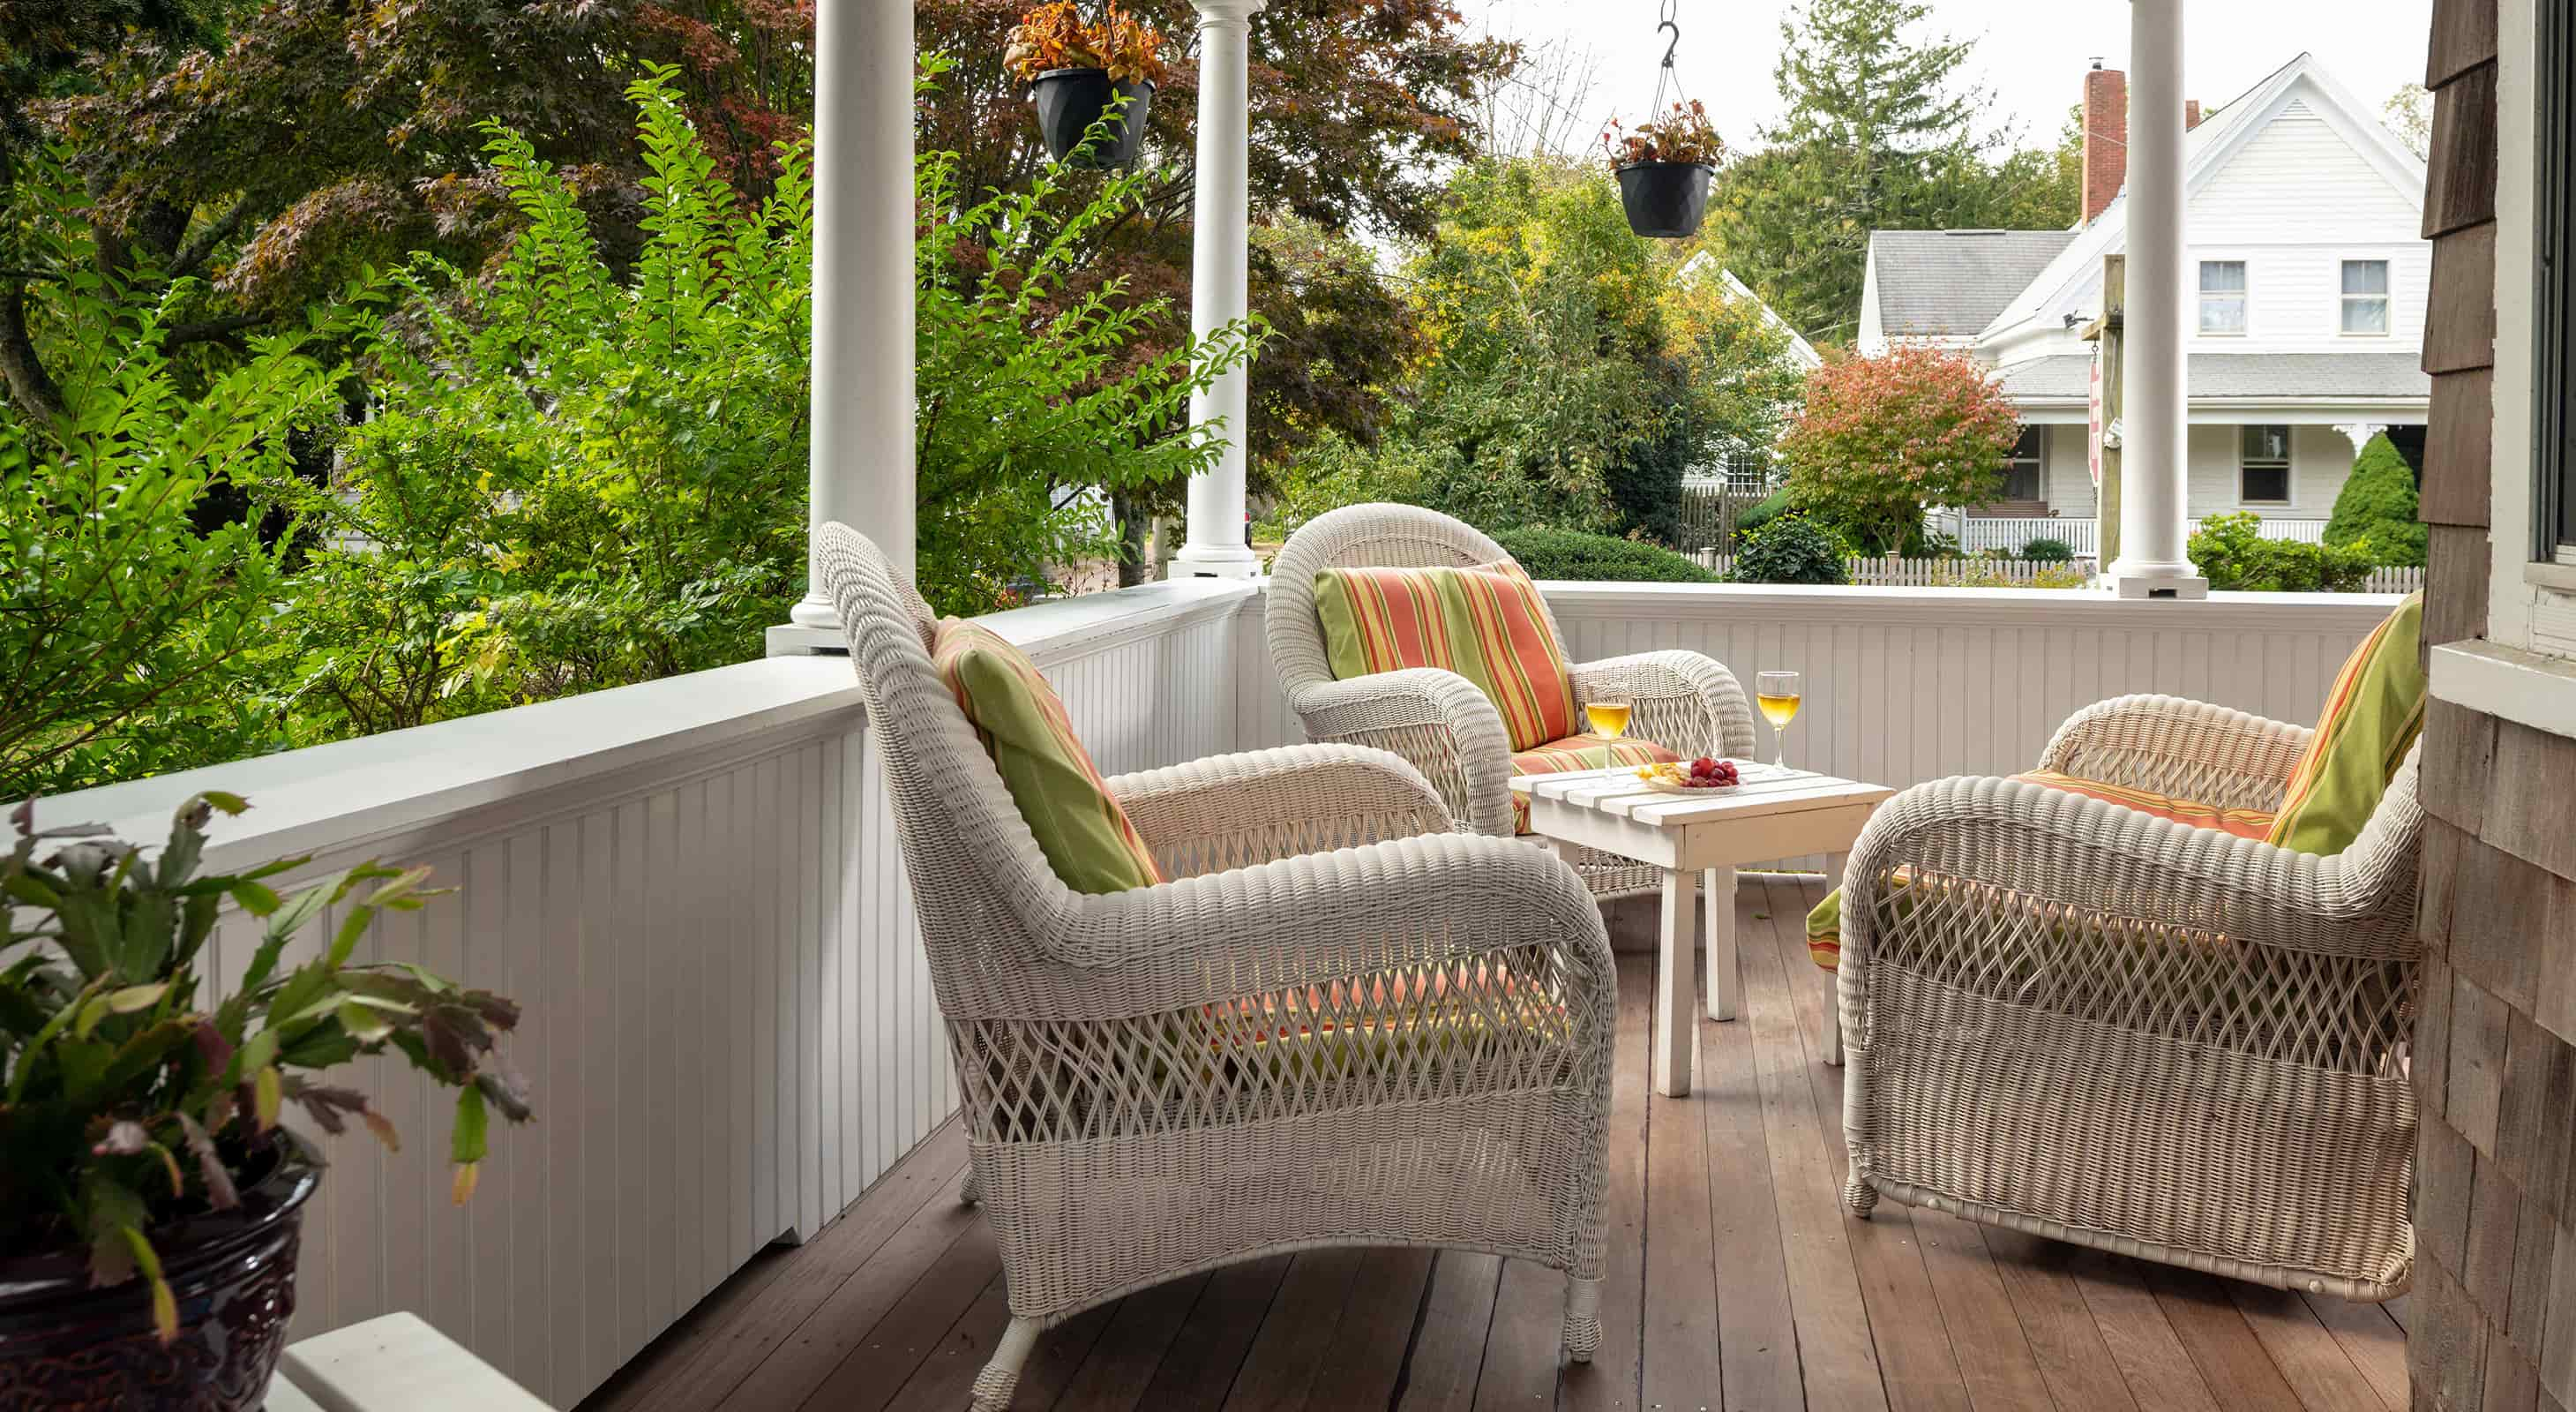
[1735,1281]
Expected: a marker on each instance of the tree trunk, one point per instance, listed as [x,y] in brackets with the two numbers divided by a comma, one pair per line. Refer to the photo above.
[1132,518]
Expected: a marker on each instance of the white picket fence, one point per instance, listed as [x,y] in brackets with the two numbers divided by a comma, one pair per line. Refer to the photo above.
[1894,572]
[2394,578]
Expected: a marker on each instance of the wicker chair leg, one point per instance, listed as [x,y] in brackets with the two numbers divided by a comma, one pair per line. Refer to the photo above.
[1859,1195]
[1001,1376]
[972,1192]
[1582,1319]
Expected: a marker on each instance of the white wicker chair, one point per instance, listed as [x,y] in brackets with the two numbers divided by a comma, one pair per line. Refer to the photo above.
[2087,1023]
[1132,1116]
[1684,702]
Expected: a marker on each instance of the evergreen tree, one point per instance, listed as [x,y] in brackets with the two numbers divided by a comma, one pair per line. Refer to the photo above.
[2378,504]
[1879,133]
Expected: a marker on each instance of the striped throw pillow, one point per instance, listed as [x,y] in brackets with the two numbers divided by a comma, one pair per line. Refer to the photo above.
[1485,623]
[1079,825]
[2371,720]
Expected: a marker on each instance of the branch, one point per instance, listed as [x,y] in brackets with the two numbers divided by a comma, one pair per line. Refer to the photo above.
[30,386]
[206,330]
[215,234]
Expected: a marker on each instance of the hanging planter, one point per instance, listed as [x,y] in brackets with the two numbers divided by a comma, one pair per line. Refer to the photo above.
[1071,100]
[1663,169]
[1092,83]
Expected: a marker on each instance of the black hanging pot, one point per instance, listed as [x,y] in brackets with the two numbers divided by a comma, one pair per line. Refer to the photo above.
[1665,200]
[1071,100]
[64,1345]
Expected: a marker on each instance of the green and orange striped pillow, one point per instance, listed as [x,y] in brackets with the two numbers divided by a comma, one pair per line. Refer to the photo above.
[1485,623]
[1078,823]
[2371,720]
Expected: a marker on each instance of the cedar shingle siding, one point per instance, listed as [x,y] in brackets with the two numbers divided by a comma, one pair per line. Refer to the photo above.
[2494,1072]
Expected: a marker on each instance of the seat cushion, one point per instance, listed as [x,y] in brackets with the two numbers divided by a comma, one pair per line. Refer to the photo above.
[1485,623]
[1825,922]
[2370,721]
[1079,825]
[1579,752]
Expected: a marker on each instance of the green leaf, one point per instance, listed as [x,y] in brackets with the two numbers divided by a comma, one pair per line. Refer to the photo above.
[256,898]
[466,1143]
[363,1024]
[269,1096]
[165,1305]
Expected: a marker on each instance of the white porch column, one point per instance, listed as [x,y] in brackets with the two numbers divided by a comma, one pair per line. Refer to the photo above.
[1220,284]
[860,469]
[2153,456]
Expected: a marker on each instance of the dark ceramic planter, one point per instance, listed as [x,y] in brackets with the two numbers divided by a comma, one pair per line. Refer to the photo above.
[1665,200]
[1071,100]
[67,1347]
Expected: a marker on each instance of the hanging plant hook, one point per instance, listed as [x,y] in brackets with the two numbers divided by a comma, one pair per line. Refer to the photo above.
[1676,42]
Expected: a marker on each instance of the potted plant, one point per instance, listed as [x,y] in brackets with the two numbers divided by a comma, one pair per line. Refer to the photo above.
[1092,82]
[150,1202]
[1663,169]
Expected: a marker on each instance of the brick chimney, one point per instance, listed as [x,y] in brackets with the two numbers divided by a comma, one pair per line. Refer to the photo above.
[2106,136]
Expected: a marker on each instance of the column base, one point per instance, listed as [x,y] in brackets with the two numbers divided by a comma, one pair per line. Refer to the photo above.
[1199,561]
[798,640]
[2128,580]
[816,611]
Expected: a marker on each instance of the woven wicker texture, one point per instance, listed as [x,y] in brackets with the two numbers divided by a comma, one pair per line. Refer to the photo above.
[1438,720]
[1341,1022]
[2084,1022]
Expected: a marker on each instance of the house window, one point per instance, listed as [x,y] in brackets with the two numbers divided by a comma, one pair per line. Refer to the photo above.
[2022,469]
[2222,296]
[2554,304]
[2365,296]
[1748,472]
[2263,466]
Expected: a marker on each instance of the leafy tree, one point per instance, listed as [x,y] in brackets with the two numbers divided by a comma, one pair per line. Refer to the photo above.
[2378,505]
[125,633]
[2409,114]
[1881,438]
[1878,133]
[2233,554]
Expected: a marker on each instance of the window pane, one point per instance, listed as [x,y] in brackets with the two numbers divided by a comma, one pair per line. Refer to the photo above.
[2365,276]
[2267,485]
[2222,313]
[2222,276]
[2365,314]
[2266,443]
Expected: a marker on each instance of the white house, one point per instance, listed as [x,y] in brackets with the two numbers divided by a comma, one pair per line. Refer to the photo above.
[1744,470]
[2307,275]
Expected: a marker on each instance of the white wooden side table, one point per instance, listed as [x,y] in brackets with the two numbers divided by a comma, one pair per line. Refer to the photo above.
[1699,841]
[393,1364]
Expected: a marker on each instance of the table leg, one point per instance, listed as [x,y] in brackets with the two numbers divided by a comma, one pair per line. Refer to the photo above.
[1718,903]
[1833,986]
[1675,1024]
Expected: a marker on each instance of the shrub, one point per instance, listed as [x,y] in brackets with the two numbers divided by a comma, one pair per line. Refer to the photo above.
[1764,511]
[2048,551]
[2378,504]
[2232,552]
[1792,549]
[1550,553]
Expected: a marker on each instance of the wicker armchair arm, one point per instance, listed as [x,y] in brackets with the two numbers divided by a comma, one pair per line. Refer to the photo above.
[1402,906]
[1231,811]
[2053,854]
[1436,720]
[1687,703]
[2187,749]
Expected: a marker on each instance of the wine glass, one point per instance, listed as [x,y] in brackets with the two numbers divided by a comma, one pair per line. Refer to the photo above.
[1609,719]
[1777,694]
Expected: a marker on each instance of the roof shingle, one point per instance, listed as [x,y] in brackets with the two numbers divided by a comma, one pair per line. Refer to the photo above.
[1952,283]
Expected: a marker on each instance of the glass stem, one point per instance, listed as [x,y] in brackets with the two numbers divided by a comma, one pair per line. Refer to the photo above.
[1780,749]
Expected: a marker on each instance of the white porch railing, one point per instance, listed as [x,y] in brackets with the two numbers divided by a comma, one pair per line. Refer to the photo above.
[693,888]
[1977,535]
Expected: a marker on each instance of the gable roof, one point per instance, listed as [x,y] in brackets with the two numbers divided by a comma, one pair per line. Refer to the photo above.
[1952,283]
[2206,148]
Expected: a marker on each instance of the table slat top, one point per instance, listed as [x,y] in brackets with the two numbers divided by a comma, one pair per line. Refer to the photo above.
[1766,790]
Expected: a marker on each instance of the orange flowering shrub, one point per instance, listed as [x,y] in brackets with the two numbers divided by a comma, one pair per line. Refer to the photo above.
[1054,36]
[1881,438]
[1684,135]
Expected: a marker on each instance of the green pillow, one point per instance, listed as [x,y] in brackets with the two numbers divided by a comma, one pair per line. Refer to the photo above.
[2370,721]
[1079,825]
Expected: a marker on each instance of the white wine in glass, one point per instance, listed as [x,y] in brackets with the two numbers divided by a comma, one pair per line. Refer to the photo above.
[1609,720]
[1778,694]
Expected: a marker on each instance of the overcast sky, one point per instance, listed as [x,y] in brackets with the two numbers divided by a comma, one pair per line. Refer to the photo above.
[2031,53]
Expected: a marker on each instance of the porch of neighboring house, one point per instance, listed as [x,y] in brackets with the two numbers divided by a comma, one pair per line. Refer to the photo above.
[1736,1279]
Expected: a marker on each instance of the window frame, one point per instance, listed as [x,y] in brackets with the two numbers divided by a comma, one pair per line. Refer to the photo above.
[2553,418]
[2243,295]
[2286,463]
[2036,433]
[2386,297]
